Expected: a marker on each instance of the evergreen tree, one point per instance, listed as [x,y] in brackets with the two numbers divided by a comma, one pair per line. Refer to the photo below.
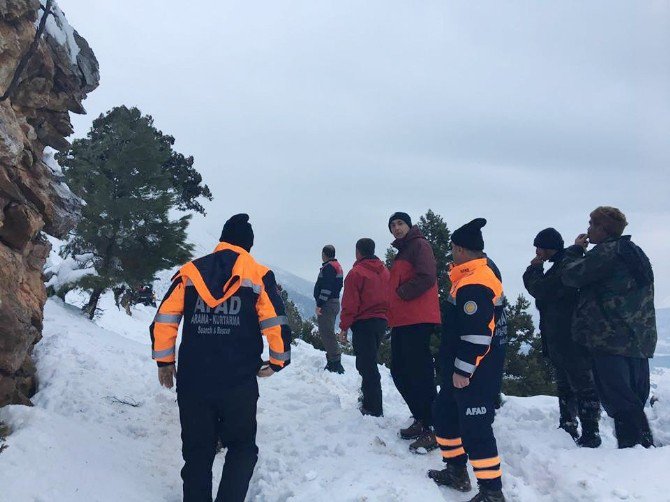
[527,371]
[300,328]
[130,179]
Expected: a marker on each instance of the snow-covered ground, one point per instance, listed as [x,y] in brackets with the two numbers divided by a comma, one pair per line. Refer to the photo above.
[103,430]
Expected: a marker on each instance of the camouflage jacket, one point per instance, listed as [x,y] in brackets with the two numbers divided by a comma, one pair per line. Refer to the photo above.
[615,310]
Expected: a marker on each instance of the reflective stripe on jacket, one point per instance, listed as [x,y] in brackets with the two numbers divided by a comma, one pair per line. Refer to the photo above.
[227,302]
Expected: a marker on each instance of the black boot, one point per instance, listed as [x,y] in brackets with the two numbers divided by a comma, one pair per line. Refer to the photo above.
[570,428]
[486,495]
[454,476]
[589,414]
[424,443]
[413,431]
[334,367]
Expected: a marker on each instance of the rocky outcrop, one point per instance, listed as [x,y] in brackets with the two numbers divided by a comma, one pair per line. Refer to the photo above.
[35,115]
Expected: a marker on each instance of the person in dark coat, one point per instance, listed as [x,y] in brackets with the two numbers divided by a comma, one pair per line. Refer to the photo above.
[556,302]
[616,319]
[365,305]
[413,315]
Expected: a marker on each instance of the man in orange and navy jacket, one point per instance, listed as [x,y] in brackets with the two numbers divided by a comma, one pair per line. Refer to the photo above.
[472,355]
[228,302]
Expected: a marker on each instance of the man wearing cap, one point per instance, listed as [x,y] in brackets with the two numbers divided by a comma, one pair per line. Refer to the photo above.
[228,303]
[556,303]
[414,311]
[615,319]
[472,355]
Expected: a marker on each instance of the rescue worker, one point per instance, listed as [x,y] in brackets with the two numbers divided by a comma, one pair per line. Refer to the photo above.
[327,297]
[413,315]
[472,355]
[556,303]
[616,319]
[365,305]
[228,301]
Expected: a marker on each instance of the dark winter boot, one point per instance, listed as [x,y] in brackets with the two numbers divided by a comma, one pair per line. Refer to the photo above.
[424,443]
[486,495]
[454,476]
[413,431]
[570,428]
[334,367]
[589,439]
[626,431]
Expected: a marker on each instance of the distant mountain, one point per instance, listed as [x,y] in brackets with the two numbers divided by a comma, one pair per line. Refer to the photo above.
[299,290]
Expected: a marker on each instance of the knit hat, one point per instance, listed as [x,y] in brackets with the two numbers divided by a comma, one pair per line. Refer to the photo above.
[400,216]
[549,238]
[469,236]
[238,232]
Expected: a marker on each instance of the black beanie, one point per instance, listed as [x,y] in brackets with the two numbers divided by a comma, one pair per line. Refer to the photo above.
[469,236]
[400,216]
[238,232]
[549,238]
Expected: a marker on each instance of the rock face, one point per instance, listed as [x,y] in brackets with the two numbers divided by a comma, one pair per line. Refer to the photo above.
[36,114]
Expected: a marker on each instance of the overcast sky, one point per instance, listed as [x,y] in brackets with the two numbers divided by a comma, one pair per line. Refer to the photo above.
[321,118]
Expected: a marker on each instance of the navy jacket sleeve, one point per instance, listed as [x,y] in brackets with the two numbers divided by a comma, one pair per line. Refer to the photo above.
[476,324]
[325,285]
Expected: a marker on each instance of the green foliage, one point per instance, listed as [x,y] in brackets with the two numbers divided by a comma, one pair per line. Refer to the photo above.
[527,371]
[300,328]
[130,179]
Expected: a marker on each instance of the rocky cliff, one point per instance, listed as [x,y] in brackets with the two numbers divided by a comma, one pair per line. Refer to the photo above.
[34,114]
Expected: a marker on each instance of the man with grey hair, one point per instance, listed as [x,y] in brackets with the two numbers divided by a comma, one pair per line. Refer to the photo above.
[615,319]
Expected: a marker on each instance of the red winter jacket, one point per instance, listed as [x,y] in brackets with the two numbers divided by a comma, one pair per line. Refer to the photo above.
[366,290]
[413,286]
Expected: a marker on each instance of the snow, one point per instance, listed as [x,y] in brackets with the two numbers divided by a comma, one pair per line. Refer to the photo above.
[62,272]
[58,27]
[102,429]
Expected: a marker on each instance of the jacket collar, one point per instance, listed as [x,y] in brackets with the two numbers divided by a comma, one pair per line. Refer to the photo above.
[414,233]
[458,272]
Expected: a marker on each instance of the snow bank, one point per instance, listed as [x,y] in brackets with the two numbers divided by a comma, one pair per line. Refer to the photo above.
[103,430]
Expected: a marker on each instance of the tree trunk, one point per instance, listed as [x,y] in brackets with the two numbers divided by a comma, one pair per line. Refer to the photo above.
[92,305]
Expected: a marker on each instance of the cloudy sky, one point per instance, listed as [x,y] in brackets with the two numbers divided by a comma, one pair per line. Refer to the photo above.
[321,118]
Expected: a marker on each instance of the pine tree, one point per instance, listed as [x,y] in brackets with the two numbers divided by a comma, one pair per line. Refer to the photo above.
[129,179]
[527,372]
[300,328]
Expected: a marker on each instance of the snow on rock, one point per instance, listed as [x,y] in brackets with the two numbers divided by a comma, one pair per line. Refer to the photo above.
[103,430]
[58,27]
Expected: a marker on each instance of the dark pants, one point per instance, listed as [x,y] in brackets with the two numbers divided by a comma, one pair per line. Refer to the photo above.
[577,395]
[367,335]
[326,322]
[412,369]
[623,386]
[232,418]
[464,418]
[623,383]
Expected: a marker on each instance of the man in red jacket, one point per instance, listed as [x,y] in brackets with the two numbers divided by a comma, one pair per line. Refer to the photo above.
[365,307]
[414,312]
